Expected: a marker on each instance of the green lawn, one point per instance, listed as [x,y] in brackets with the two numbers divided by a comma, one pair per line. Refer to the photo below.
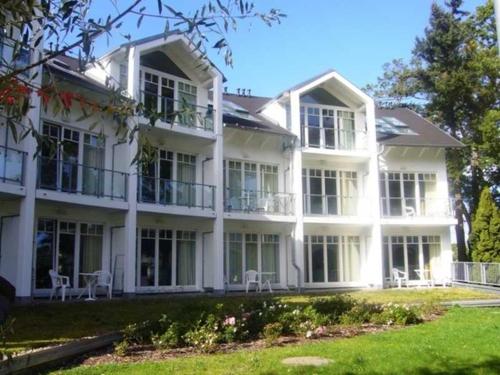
[464,341]
[51,323]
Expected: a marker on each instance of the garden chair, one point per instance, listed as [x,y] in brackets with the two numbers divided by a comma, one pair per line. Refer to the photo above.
[104,280]
[252,277]
[399,277]
[59,282]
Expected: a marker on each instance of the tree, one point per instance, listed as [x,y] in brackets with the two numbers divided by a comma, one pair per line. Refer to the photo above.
[454,77]
[67,28]
[485,236]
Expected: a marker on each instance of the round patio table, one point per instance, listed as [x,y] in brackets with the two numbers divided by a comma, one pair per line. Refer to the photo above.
[90,279]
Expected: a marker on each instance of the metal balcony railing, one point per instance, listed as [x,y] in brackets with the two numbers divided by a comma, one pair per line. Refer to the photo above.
[178,112]
[262,202]
[334,205]
[175,193]
[12,165]
[70,177]
[413,207]
[334,139]
[476,273]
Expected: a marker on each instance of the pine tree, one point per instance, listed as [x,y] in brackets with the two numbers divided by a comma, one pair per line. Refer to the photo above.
[485,236]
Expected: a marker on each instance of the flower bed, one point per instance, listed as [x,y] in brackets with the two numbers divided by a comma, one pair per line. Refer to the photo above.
[267,321]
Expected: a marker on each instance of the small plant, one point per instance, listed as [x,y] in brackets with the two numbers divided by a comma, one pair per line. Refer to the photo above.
[205,335]
[122,348]
[171,338]
[360,313]
[334,307]
[272,332]
[6,329]
[397,314]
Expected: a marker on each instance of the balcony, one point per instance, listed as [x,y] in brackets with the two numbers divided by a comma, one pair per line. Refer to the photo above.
[333,205]
[167,192]
[69,177]
[258,202]
[12,166]
[178,112]
[334,139]
[412,207]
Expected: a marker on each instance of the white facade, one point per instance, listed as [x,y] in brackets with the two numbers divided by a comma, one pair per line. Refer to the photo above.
[315,205]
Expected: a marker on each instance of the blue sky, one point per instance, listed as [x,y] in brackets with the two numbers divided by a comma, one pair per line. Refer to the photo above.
[354,37]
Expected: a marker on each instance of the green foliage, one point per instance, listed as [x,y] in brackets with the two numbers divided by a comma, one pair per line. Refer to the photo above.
[334,307]
[485,236]
[360,313]
[171,338]
[204,335]
[397,314]
[272,332]
[122,348]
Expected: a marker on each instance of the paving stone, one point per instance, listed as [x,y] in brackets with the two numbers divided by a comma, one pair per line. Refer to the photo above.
[306,361]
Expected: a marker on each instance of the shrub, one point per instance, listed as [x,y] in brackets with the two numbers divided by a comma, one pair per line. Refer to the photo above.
[272,332]
[334,307]
[397,314]
[140,333]
[301,321]
[171,338]
[122,348]
[205,335]
[360,313]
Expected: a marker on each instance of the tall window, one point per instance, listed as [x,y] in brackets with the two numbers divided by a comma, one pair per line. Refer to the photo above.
[186,258]
[90,248]
[123,79]
[187,103]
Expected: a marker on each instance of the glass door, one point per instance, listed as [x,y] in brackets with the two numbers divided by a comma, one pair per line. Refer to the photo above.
[148,180]
[315,192]
[349,188]
[69,167]
[186,177]
[347,133]
[313,127]
[166,175]
[93,165]
[250,197]
[234,191]
[50,155]
[410,195]
[329,127]
[45,250]
[331,196]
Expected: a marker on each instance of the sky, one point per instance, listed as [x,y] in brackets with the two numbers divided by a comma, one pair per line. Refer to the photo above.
[354,37]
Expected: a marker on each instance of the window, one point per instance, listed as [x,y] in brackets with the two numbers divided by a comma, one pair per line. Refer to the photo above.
[186,258]
[123,79]
[251,251]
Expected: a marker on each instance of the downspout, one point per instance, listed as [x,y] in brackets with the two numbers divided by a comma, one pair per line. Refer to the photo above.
[1,231]
[380,208]
[296,266]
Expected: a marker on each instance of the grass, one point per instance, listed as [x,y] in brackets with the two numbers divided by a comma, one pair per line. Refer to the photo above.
[464,341]
[44,324]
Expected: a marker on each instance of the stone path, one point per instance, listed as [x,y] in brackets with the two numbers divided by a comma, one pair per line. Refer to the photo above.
[306,361]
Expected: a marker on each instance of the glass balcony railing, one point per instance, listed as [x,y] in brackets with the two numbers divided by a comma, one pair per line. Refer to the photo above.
[332,205]
[70,177]
[178,112]
[253,201]
[414,207]
[12,165]
[333,139]
[175,193]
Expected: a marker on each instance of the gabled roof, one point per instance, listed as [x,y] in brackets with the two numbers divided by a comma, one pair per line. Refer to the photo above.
[421,132]
[241,112]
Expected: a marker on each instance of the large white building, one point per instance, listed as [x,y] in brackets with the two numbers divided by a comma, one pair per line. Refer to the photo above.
[314,188]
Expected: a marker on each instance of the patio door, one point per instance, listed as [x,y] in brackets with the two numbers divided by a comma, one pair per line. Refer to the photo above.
[67,247]
[349,192]
[242,185]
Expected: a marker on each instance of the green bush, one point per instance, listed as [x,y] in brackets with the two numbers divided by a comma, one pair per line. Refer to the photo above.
[204,335]
[271,332]
[360,313]
[300,321]
[334,307]
[140,333]
[122,348]
[397,315]
[171,338]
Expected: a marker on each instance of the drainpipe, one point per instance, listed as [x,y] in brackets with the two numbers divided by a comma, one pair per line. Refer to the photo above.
[203,258]
[111,248]
[2,218]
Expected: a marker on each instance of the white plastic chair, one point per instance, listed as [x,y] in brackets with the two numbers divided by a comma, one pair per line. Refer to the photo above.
[104,280]
[59,282]
[400,277]
[252,277]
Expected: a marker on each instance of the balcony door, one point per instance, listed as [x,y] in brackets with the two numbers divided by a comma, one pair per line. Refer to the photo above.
[93,165]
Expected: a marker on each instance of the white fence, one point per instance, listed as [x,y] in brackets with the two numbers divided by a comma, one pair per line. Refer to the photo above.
[476,273]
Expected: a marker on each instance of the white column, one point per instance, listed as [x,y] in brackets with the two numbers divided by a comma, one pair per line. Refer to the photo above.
[296,180]
[131,215]
[218,237]
[25,240]
[375,274]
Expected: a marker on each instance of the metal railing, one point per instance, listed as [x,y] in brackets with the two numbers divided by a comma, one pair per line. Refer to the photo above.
[413,207]
[476,273]
[178,112]
[12,165]
[334,139]
[254,201]
[175,193]
[70,177]
[335,205]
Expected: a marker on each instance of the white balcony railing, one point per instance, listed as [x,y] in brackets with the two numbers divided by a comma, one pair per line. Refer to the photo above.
[334,205]
[476,273]
[12,165]
[254,201]
[334,139]
[413,207]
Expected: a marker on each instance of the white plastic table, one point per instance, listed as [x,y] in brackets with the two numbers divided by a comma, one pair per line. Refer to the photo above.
[267,281]
[90,279]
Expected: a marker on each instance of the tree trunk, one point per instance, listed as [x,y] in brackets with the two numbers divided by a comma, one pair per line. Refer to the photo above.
[459,228]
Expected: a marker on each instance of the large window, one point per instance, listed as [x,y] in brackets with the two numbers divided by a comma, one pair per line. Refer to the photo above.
[326,127]
[330,192]
[166,258]
[411,194]
[251,251]
[329,259]
[415,255]
[68,247]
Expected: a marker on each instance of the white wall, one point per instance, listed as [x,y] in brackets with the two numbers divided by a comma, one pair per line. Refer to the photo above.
[9,254]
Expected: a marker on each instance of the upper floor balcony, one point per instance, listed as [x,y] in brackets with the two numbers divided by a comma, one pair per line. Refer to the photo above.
[67,176]
[12,165]
[334,139]
[258,202]
[416,207]
[334,205]
[167,192]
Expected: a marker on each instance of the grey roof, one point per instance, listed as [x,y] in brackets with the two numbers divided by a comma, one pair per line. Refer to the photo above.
[241,112]
[423,132]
